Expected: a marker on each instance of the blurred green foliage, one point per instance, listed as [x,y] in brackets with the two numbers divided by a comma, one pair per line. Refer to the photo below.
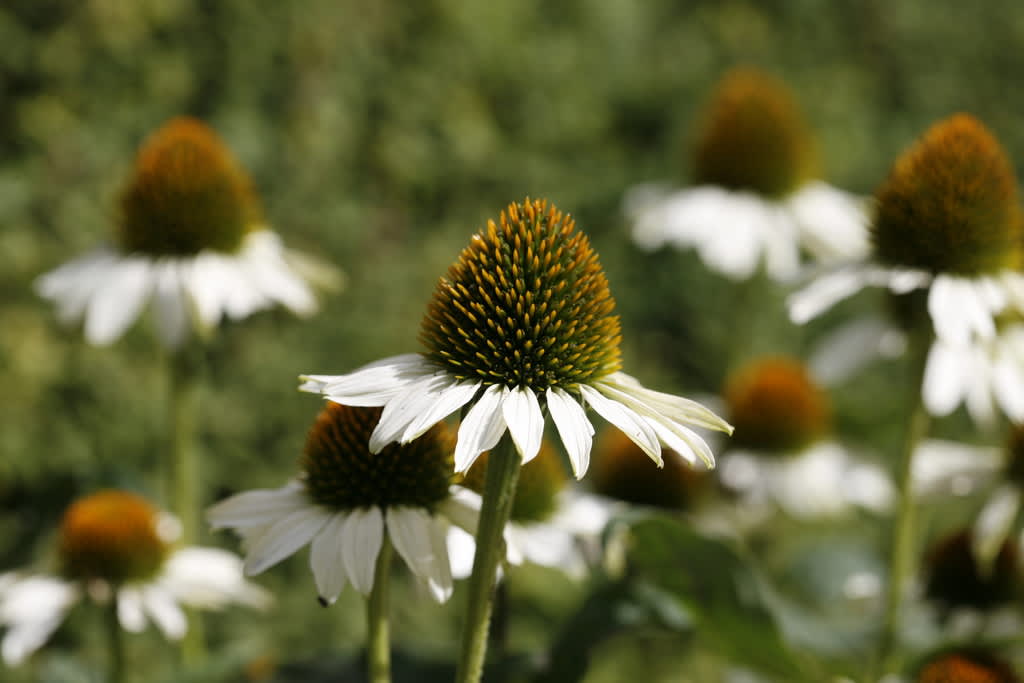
[380,135]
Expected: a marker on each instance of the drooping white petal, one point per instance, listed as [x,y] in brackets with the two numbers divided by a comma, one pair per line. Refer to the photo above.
[628,390]
[958,311]
[548,545]
[411,531]
[170,303]
[415,399]
[994,524]
[825,292]
[849,348]
[481,429]
[525,421]
[327,561]
[832,223]
[943,387]
[257,508]
[462,508]
[262,256]
[71,286]
[130,614]
[361,539]
[573,427]
[461,550]
[210,578]
[684,441]
[159,604]
[32,608]
[116,303]
[631,424]
[443,402]
[440,584]
[371,385]
[284,537]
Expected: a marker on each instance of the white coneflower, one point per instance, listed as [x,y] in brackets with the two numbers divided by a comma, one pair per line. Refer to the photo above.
[947,221]
[780,452]
[116,548]
[522,322]
[191,240]
[755,199]
[348,503]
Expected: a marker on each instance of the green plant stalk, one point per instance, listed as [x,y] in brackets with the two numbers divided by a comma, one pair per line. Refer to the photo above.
[901,561]
[115,641]
[499,490]
[378,638]
[184,383]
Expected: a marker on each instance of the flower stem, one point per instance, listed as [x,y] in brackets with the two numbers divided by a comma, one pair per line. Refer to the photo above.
[499,490]
[378,636]
[184,380]
[115,637]
[901,557]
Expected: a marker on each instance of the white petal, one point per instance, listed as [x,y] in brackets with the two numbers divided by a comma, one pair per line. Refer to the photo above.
[994,524]
[442,404]
[71,286]
[525,421]
[833,224]
[947,467]
[683,441]
[411,531]
[958,311]
[461,549]
[326,560]
[440,584]
[631,424]
[361,539]
[573,427]
[210,578]
[462,508]
[129,609]
[371,385]
[481,429]
[285,537]
[405,408]
[549,546]
[117,301]
[848,349]
[263,257]
[164,611]
[258,508]
[32,608]
[628,390]
[825,292]
[170,304]
[944,383]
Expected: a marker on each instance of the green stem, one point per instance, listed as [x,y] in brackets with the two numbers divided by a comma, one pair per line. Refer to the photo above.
[186,499]
[115,636]
[378,635]
[901,561]
[499,490]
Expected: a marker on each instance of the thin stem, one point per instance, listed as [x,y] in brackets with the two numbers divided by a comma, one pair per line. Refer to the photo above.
[499,490]
[115,638]
[378,636]
[901,561]
[186,499]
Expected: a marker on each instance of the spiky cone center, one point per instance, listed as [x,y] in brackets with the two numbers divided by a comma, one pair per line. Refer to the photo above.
[624,472]
[753,137]
[775,406]
[186,194]
[111,536]
[525,305]
[967,667]
[956,580]
[540,482]
[1015,456]
[950,203]
[341,473]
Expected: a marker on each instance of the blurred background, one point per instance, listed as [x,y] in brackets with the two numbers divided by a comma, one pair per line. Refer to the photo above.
[380,135]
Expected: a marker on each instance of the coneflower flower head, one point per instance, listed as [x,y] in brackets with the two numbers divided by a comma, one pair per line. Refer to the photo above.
[966,666]
[340,472]
[113,536]
[776,406]
[955,578]
[540,481]
[186,194]
[622,471]
[526,304]
[950,204]
[754,138]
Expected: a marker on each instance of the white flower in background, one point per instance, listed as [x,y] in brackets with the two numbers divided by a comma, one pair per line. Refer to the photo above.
[549,525]
[190,240]
[780,454]
[947,222]
[755,201]
[523,321]
[114,545]
[348,502]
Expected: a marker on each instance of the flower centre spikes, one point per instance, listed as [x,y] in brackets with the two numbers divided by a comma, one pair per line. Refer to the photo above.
[776,406]
[187,194]
[113,536]
[753,138]
[966,667]
[525,305]
[342,474]
[624,472]
[950,203]
[540,482]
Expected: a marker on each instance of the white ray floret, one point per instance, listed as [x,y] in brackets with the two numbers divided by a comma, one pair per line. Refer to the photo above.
[345,544]
[416,394]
